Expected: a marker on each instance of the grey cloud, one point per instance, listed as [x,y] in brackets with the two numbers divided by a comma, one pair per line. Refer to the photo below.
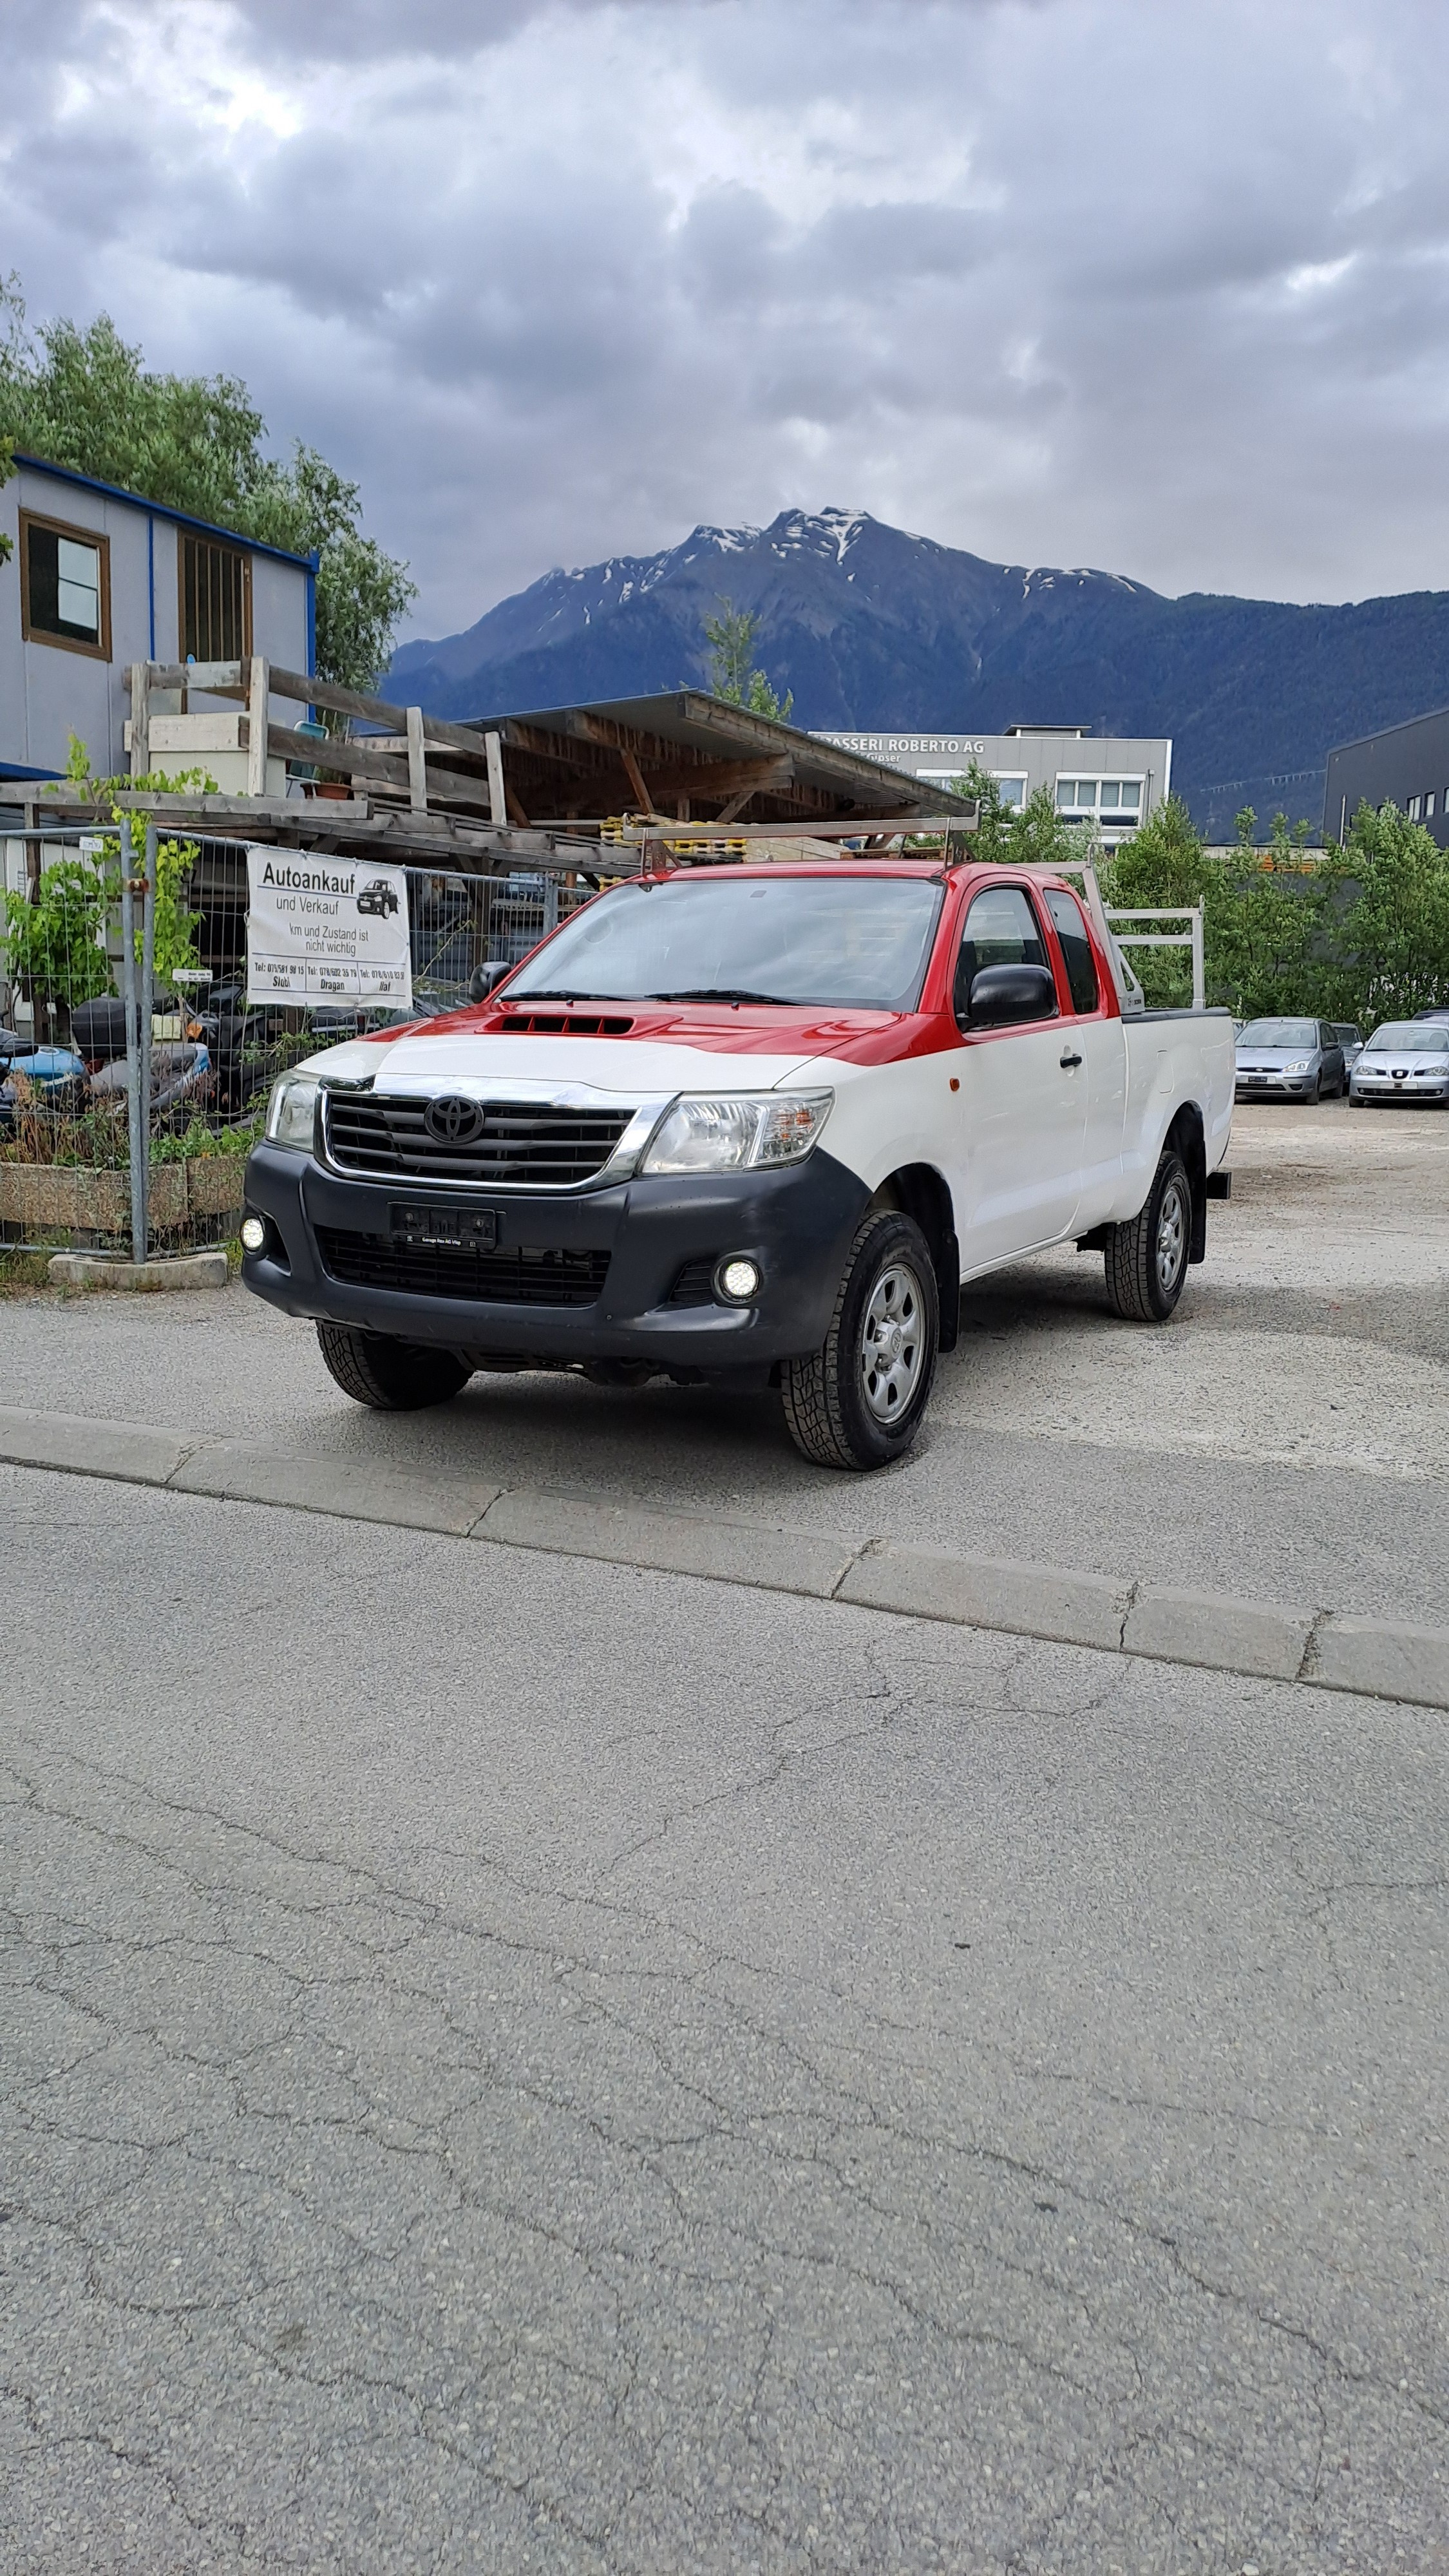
[558,281]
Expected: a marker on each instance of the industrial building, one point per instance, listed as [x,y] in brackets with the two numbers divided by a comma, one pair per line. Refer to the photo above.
[1406,765]
[1113,783]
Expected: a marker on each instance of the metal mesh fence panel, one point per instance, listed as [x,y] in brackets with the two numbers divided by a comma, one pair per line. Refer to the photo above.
[64,1149]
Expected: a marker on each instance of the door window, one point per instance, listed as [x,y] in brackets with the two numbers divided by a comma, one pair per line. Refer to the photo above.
[1077,956]
[1001,930]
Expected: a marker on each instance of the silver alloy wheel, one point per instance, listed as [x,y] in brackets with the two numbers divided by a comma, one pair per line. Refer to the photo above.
[892,1342]
[1171,1236]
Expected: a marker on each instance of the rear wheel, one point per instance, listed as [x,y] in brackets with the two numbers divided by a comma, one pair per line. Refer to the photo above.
[1147,1258]
[858,1401]
[391,1376]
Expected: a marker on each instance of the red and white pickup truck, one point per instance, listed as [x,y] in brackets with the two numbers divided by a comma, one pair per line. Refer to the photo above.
[748,1125]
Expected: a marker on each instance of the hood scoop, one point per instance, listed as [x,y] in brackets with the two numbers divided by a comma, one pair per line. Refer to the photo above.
[558,1024]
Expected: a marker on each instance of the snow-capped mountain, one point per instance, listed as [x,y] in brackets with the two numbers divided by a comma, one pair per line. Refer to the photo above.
[873,628]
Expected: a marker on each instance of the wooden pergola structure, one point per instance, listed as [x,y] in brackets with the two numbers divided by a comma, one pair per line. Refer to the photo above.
[576,793]
[539,789]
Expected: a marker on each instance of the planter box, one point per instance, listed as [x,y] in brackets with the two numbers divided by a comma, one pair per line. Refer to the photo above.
[43,1198]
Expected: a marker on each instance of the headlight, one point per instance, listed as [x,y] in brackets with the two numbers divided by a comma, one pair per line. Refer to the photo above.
[1300,1067]
[292,1110]
[744,1134]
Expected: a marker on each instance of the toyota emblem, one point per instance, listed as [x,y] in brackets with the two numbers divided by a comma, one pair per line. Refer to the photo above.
[453,1121]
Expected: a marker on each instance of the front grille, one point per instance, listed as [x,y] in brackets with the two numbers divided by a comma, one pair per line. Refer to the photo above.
[517,1275]
[528,1143]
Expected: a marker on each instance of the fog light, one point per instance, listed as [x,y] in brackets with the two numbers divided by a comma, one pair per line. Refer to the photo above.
[740,1280]
[253,1233]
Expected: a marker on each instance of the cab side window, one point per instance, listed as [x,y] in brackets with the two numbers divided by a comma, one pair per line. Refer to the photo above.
[1001,930]
[1077,956]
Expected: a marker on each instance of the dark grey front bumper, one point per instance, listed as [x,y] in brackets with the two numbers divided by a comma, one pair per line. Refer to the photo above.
[796,1224]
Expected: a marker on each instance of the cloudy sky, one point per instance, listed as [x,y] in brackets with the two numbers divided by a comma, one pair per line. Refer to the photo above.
[1156,285]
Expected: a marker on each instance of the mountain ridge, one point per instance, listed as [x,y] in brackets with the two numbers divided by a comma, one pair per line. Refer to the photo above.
[876,629]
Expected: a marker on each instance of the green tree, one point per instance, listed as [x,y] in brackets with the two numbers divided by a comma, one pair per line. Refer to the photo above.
[7,468]
[1164,863]
[1029,835]
[1393,936]
[176,926]
[731,639]
[81,397]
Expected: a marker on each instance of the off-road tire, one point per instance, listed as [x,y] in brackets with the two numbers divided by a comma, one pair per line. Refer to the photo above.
[391,1376]
[827,1411]
[1136,1285]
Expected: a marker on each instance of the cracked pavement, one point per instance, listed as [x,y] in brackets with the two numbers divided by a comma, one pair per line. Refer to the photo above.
[521,2064]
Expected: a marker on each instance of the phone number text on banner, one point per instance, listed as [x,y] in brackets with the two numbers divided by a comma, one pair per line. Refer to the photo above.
[327,930]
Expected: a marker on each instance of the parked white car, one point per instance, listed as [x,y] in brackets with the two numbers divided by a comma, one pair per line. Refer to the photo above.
[1405,1060]
[746,1125]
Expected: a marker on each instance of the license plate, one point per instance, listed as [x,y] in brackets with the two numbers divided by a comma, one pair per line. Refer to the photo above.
[466,1229]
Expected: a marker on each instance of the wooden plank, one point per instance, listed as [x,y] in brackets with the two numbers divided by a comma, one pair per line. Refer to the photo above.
[355,702]
[363,760]
[497,797]
[257,727]
[140,684]
[726,778]
[218,679]
[417,763]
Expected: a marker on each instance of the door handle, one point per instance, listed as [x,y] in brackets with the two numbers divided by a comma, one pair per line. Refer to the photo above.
[1070,1062]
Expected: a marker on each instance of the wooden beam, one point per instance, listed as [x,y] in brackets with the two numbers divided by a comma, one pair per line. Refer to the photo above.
[257,727]
[138,679]
[417,763]
[728,812]
[360,760]
[723,777]
[497,794]
[635,776]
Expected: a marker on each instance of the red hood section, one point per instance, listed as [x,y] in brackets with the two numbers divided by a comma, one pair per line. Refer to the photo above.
[861,1037]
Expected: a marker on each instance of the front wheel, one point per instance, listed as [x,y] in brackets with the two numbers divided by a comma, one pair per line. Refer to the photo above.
[388,1375]
[1147,1258]
[858,1401]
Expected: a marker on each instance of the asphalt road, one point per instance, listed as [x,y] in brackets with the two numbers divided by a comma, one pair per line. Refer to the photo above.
[525,2065]
[522,2065]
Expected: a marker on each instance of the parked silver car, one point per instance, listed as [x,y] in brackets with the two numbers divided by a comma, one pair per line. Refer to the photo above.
[1290,1060]
[1404,1060]
[1350,1038]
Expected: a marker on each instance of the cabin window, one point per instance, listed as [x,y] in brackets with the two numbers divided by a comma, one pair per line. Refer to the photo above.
[216,600]
[65,595]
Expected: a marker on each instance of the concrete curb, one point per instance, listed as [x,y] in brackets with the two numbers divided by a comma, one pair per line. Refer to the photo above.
[626,1533]
[1375,1658]
[168,1270]
[990,1592]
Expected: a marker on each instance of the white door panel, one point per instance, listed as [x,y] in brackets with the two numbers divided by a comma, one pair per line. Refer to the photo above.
[1021,1136]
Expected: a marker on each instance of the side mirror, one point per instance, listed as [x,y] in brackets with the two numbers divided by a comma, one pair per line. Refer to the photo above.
[1001,995]
[483,978]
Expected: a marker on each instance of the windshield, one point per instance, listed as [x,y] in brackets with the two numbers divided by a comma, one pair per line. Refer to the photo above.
[857,941]
[1406,1037]
[1276,1033]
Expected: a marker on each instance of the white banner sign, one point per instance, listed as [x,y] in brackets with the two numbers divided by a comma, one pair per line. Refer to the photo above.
[327,930]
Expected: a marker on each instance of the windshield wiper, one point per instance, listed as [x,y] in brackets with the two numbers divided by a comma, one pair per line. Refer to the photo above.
[719,993]
[517,1001]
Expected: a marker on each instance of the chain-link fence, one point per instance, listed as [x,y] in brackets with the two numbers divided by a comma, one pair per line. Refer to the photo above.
[71,1091]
